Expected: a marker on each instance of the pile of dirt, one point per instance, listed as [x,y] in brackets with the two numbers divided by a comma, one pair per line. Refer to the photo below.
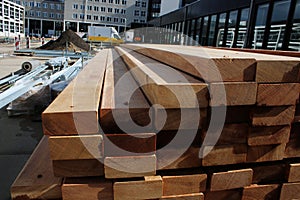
[75,43]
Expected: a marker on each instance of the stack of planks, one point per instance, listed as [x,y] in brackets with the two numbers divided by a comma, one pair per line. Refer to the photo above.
[143,122]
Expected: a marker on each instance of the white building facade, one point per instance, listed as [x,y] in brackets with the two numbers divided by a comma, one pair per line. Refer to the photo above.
[12,18]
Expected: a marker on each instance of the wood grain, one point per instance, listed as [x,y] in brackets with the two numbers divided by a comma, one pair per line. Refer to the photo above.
[163,85]
[94,188]
[273,116]
[150,188]
[290,191]
[269,172]
[293,173]
[195,196]
[235,194]
[129,167]
[224,155]
[78,168]
[187,184]
[261,192]
[122,100]
[75,110]
[265,153]
[230,134]
[204,63]
[235,93]
[231,179]
[292,149]
[268,135]
[36,180]
[127,145]
[76,147]
[277,94]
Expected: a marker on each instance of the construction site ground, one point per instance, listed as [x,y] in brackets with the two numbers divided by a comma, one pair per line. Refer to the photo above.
[19,134]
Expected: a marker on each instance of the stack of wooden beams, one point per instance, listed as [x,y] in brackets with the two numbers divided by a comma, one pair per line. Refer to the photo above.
[110,132]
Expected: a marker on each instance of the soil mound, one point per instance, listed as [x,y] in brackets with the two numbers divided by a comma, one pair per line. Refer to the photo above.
[75,43]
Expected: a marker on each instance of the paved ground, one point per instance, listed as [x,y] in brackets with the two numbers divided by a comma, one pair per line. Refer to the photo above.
[18,135]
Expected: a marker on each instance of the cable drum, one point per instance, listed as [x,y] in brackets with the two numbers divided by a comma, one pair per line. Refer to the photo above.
[30,65]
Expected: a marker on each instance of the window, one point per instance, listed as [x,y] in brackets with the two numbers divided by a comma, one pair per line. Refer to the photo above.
[123,20]
[137,3]
[75,6]
[123,11]
[102,9]
[58,7]
[102,18]
[110,1]
[18,2]
[117,1]
[96,8]
[142,21]
[45,14]
[96,17]
[58,16]
[31,13]
[89,17]
[12,27]
[116,20]
[38,4]
[109,9]
[38,13]
[81,16]
[108,19]
[82,7]
[52,6]
[51,15]
[24,3]
[104,1]
[31,3]
[143,13]
[117,10]
[136,20]
[96,0]
[45,5]
[74,16]
[144,4]
[124,2]
[136,13]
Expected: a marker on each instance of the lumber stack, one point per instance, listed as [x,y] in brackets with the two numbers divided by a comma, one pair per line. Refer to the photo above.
[175,122]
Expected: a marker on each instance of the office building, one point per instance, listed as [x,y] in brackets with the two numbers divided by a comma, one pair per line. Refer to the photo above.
[11,19]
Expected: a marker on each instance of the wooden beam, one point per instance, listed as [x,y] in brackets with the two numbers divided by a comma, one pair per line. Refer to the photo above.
[94,188]
[76,147]
[231,134]
[235,194]
[224,155]
[129,167]
[36,180]
[269,172]
[78,168]
[273,116]
[116,145]
[265,153]
[268,135]
[231,179]
[246,93]
[187,184]
[293,173]
[75,110]
[278,94]
[150,188]
[204,63]
[261,192]
[195,196]
[163,85]
[290,191]
[123,104]
[292,149]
